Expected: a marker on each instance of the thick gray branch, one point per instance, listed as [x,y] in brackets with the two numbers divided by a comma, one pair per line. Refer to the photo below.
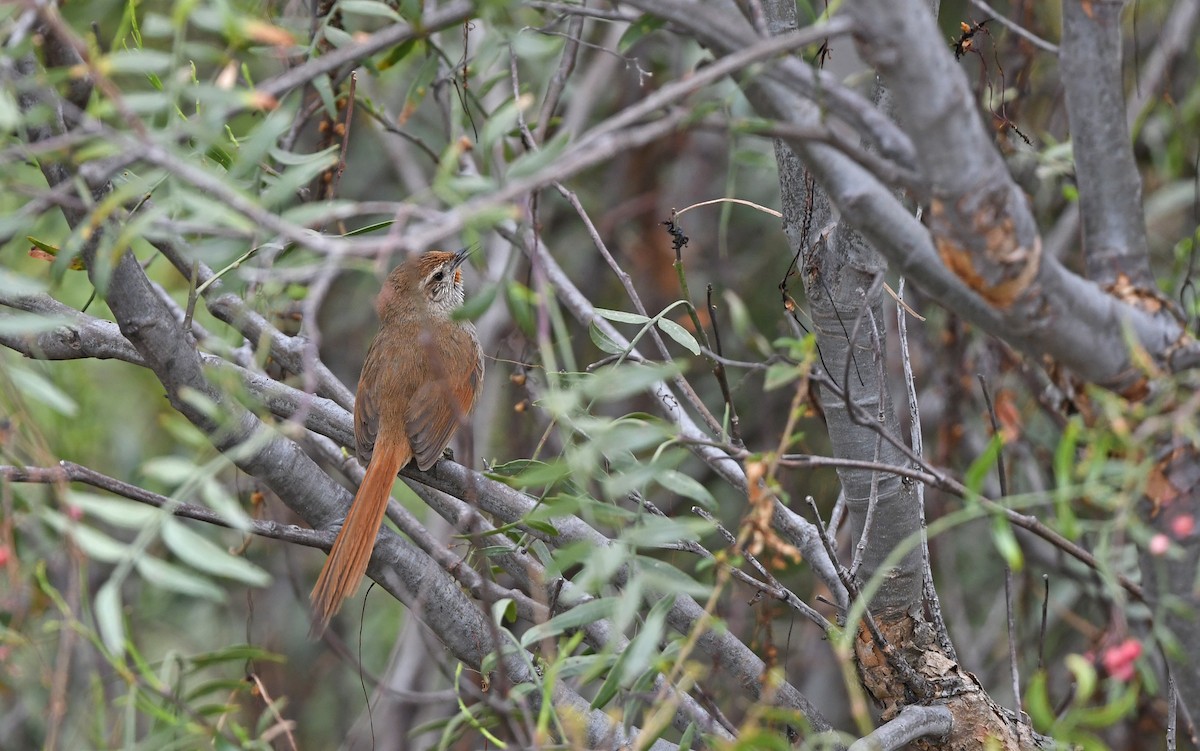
[914,721]
[839,273]
[984,259]
[719,27]
[986,263]
[1110,187]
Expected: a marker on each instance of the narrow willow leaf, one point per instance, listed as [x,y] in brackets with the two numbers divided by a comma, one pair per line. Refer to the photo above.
[204,555]
[681,484]
[580,615]
[679,334]
[35,386]
[621,316]
[109,620]
[369,8]
[603,341]
[177,579]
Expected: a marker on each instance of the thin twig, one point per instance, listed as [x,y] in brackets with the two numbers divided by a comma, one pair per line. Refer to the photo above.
[1042,630]
[1172,710]
[71,472]
[558,83]
[1014,672]
[341,163]
[1016,28]
[929,589]
[735,433]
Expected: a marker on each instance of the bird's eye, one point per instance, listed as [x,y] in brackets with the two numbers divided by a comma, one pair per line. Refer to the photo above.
[439,276]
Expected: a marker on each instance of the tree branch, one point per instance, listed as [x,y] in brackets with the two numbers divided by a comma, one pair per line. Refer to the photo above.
[914,722]
[1110,186]
[71,472]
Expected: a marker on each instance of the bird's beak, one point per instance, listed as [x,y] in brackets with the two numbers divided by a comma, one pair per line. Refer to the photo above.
[461,257]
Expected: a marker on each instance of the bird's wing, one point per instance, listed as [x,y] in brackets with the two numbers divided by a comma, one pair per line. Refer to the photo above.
[443,401]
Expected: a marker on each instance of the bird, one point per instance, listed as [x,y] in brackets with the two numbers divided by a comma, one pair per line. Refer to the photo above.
[418,385]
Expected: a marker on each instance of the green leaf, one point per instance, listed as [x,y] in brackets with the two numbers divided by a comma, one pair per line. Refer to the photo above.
[1037,701]
[641,652]
[421,81]
[113,510]
[542,473]
[369,8]
[336,37]
[171,471]
[603,341]
[234,653]
[168,576]
[477,304]
[1064,477]
[580,615]
[781,374]
[18,285]
[982,465]
[204,555]
[619,381]
[638,29]
[109,620]
[504,611]
[544,527]
[681,484]
[302,169]
[679,334]
[688,738]
[621,316]
[520,300]
[397,54]
[1110,713]
[226,506]
[1006,542]
[367,229]
[33,385]
[135,61]
[657,531]
[10,113]
[1085,678]
[608,689]
[663,577]
[637,656]
[96,545]
[531,162]
[502,121]
[21,323]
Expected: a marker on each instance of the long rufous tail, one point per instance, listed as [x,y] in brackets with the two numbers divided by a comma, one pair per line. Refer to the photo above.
[347,561]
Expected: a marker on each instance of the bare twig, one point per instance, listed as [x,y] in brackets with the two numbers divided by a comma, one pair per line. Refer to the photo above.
[773,587]
[71,472]
[932,601]
[558,82]
[1016,28]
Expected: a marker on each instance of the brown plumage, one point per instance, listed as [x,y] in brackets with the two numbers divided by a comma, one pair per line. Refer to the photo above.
[417,386]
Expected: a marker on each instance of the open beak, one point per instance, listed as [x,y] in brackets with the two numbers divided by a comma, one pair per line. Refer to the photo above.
[461,257]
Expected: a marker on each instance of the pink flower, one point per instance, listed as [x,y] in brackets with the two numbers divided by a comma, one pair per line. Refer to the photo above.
[1119,660]
[1159,544]
[1183,526]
